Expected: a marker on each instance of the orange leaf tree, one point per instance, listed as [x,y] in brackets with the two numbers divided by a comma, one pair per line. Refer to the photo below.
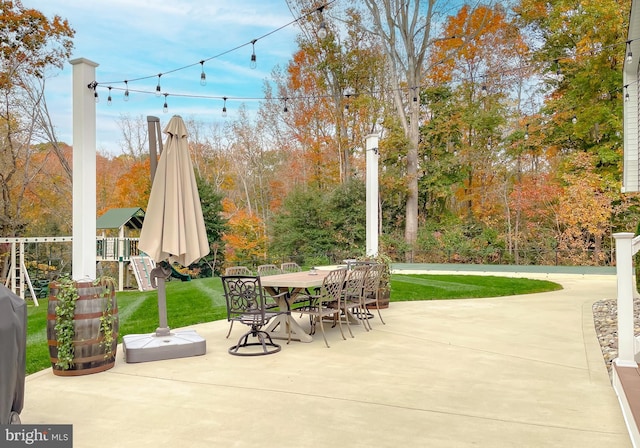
[32,45]
[245,238]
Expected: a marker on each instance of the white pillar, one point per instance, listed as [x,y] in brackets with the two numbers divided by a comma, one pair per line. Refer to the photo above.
[84,170]
[624,271]
[121,259]
[372,194]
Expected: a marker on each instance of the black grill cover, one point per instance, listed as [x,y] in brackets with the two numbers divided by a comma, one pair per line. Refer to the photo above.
[13,346]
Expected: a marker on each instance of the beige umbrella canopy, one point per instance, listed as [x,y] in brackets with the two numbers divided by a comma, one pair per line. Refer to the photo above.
[173,228]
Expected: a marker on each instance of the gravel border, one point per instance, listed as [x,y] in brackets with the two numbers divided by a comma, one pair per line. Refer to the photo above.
[605,319]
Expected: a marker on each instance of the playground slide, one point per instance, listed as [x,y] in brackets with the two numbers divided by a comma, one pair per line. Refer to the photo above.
[177,274]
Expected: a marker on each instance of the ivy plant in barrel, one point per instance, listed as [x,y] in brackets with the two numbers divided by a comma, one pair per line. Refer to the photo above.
[82,326]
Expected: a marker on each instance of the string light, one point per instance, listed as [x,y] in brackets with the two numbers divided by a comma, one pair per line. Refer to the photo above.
[253,64]
[224,106]
[319,10]
[165,107]
[629,53]
[626,93]
[574,120]
[526,132]
[109,97]
[322,30]
[203,75]
[93,85]
[285,110]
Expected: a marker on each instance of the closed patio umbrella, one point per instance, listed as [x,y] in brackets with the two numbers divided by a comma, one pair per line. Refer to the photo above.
[173,231]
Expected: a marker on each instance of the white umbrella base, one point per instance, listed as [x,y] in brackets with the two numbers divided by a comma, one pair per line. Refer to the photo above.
[149,347]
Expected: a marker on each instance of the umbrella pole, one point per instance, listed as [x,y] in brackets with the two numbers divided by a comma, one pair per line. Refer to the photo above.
[153,124]
[163,329]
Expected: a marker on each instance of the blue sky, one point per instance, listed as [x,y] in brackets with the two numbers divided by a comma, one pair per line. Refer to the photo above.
[131,39]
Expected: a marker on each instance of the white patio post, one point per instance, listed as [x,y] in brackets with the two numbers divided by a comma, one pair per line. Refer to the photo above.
[624,271]
[372,194]
[84,170]
[121,258]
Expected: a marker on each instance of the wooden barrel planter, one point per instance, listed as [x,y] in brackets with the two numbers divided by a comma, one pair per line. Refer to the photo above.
[90,353]
[384,294]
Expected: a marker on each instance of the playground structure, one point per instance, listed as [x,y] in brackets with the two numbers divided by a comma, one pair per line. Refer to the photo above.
[121,250]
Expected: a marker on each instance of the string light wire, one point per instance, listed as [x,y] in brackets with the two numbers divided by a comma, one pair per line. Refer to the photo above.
[238,47]
[158,91]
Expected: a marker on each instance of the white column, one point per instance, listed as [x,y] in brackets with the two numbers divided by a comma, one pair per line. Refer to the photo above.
[624,271]
[84,170]
[372,194]
[121,260]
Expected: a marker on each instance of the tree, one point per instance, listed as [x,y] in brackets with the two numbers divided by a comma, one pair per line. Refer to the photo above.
[311,223]
[215,224]
[135,136]
[333,86]
[580,50]
[32,45]
[482,72]
[405,31]
[245,238]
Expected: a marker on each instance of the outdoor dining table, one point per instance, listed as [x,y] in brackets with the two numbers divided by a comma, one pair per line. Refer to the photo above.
[294,283]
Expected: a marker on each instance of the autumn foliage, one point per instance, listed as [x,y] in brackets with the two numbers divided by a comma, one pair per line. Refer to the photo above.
[519,141]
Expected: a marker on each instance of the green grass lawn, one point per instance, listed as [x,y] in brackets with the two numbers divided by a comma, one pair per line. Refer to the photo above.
[202,300]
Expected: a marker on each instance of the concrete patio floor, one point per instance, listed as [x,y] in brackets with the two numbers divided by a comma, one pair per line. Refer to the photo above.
[523,371]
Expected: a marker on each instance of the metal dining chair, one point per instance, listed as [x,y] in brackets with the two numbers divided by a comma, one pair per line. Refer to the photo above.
[246,303]
[238,270]
[268,269]
[326,303]
[351,303]
[370,292]
[290,267]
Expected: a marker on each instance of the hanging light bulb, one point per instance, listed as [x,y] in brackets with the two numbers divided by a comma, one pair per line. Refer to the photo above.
[629,53]
[203,75]
[626,93]
[526,132]
[224,106]
[285,110]
[253,64]
[126,91]
[109,97]
[322,29]
[165,107]
[96,97]
[158,88]
[574,120]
